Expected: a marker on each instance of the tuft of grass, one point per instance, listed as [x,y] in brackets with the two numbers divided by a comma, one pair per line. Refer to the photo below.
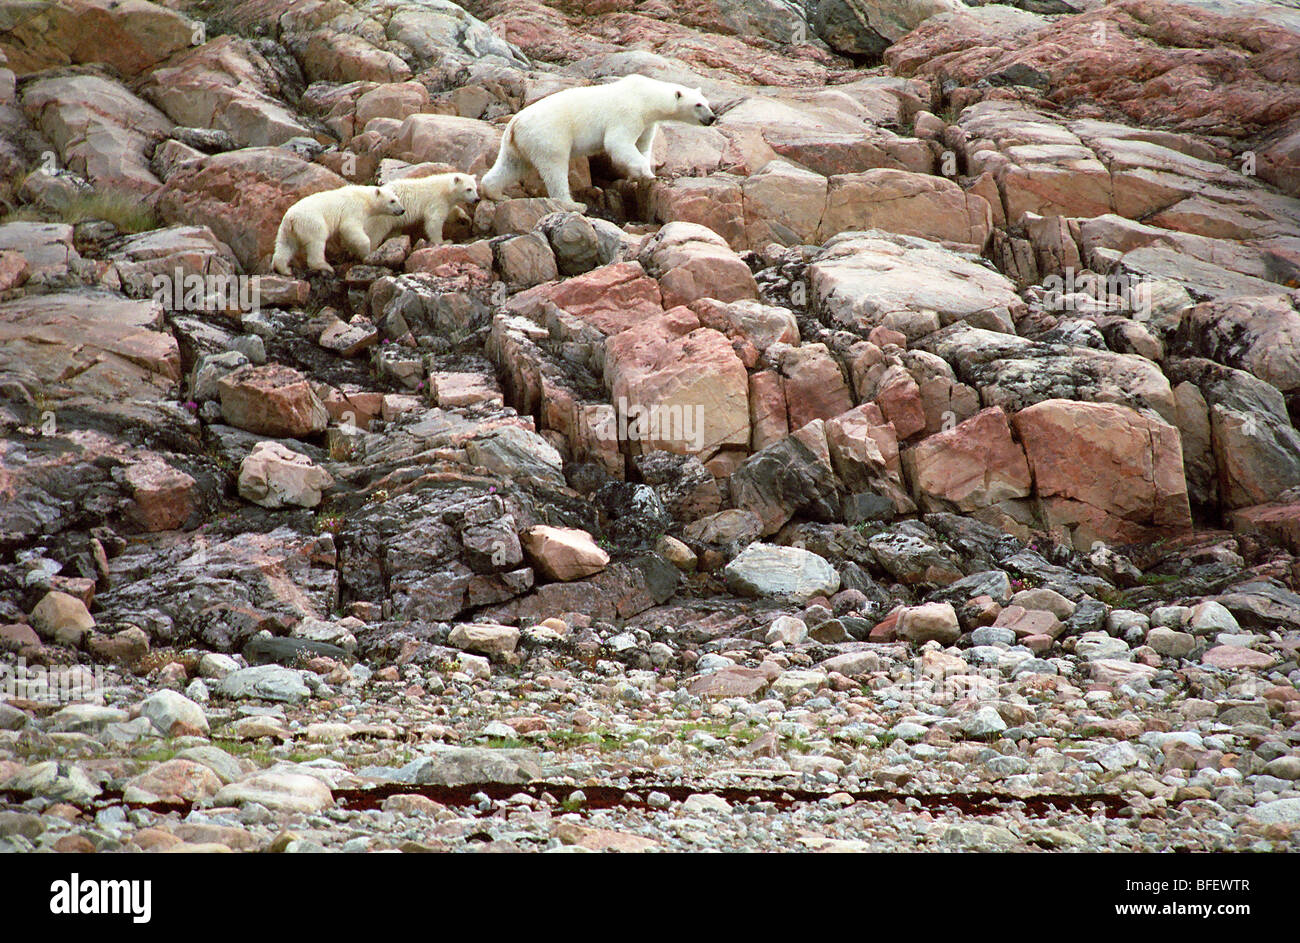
[23,214]
[126,211]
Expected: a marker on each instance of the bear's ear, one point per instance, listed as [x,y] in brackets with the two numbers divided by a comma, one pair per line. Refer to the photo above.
[379,191]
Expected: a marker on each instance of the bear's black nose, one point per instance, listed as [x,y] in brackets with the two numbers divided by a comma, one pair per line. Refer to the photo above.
[710,118]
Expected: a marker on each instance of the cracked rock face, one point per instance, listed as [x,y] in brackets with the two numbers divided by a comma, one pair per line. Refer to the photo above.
[924,429]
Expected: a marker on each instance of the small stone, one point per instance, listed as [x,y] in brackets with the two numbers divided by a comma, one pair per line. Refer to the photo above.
[1211,618]
[484,638]
[786,629]
[984,722]
[62,619]
[935,621]
[1171,643]
[174,715]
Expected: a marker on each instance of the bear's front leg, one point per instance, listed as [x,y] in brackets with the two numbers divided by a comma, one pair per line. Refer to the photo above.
[646,145]
[627,157]
[354,239]
[378,228]
[433,224]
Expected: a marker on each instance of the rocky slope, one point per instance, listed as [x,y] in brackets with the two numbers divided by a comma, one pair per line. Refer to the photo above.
[912,465]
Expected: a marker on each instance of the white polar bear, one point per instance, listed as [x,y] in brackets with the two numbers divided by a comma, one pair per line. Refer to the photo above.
[427,200]
[619,118]
[343,211]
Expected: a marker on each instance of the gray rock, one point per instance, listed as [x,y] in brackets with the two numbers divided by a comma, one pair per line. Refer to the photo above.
[460,766]
[216,759]
[993,635]
[985,722]
[1171,643]
[1284,767]
[165,709]
[1089,616]
[791,572]
[83,718]
[1278,812]
[11,718]
[277,790]
[992,583]
[267,682]
[1094,645]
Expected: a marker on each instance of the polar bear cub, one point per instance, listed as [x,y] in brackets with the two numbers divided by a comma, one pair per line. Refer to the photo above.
[427,200]
[619,118]
[343,211]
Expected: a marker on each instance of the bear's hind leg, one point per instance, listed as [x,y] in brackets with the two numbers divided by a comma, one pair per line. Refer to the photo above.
[312,234]
[282,260]
[505,173]
[555,177]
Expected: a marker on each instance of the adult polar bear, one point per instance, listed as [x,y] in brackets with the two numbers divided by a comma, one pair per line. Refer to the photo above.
[619,118]
[344,211]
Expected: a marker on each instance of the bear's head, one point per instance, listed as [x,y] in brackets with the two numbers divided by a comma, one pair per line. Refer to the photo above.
[386,202]
[464,189]
[693,107]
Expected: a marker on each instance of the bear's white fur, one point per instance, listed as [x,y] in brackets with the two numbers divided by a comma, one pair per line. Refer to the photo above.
[344,211]
[428,201]
[619,118]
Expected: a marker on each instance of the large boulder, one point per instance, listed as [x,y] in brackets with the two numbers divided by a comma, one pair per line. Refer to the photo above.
[563,553]
[129,35]
[908,203]
[90,350]
[1260,335]
[691,262]
[973,465]
[1255,448]
[868,27]
[864,280]
[681,387]
[62,618]
[102,131]
[770,570]
[274,475]
[786,478]
[272,400]
[1103,471]
[933,621]
[227,85]
[447,139]
[162,497]
[1016,372]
